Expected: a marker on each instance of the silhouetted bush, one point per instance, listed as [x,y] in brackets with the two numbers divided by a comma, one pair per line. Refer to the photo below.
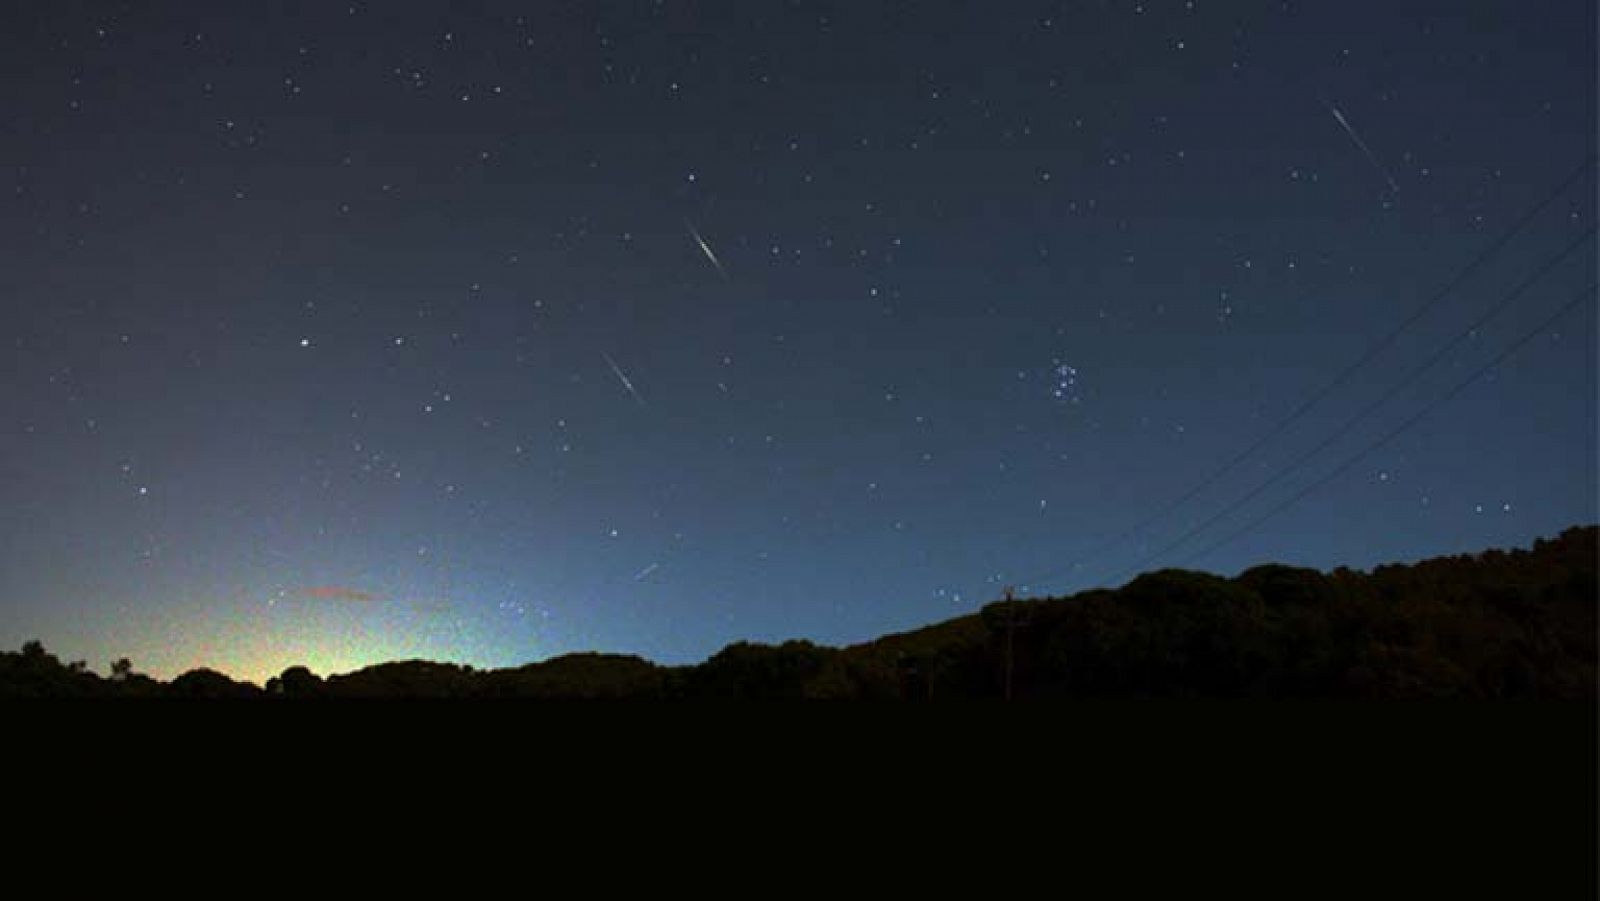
[209,684]
[403,679]
[586,675]
[745,671]
[296,682]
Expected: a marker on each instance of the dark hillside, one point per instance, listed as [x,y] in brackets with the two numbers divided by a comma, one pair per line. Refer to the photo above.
[1499,624]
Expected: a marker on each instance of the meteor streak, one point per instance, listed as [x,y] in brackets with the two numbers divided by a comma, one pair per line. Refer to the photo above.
[706,249]
[1345,124]
[622,378]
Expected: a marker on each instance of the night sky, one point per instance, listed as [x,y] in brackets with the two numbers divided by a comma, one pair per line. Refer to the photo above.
[486,332]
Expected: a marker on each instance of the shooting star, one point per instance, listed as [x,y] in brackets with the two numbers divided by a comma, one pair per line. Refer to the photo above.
[643,574]
[1373,159]
[706,249]
[623,378]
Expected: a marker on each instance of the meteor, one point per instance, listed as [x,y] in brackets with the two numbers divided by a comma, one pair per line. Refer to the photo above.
[622,378]
[706,249]
[1345,124]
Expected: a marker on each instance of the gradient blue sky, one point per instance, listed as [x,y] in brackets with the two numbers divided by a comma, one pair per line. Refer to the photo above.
[311,296]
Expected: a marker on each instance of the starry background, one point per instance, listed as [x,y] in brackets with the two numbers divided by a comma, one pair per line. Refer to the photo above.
[338,333]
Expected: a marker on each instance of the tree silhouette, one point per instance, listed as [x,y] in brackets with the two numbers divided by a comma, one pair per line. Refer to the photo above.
[209,684]
[295,682]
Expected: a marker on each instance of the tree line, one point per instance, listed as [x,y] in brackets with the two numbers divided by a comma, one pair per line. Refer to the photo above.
[1498,624]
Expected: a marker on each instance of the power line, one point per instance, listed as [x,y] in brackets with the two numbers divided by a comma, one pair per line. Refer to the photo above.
[1394,389]
[1371,353]
[1567,307]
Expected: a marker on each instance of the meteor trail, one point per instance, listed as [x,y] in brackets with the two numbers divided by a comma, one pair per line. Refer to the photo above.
[642,574]
[1345,124]
[622,378]
[706,249]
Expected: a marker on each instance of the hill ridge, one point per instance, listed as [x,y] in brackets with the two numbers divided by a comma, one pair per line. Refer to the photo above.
[1495,624]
